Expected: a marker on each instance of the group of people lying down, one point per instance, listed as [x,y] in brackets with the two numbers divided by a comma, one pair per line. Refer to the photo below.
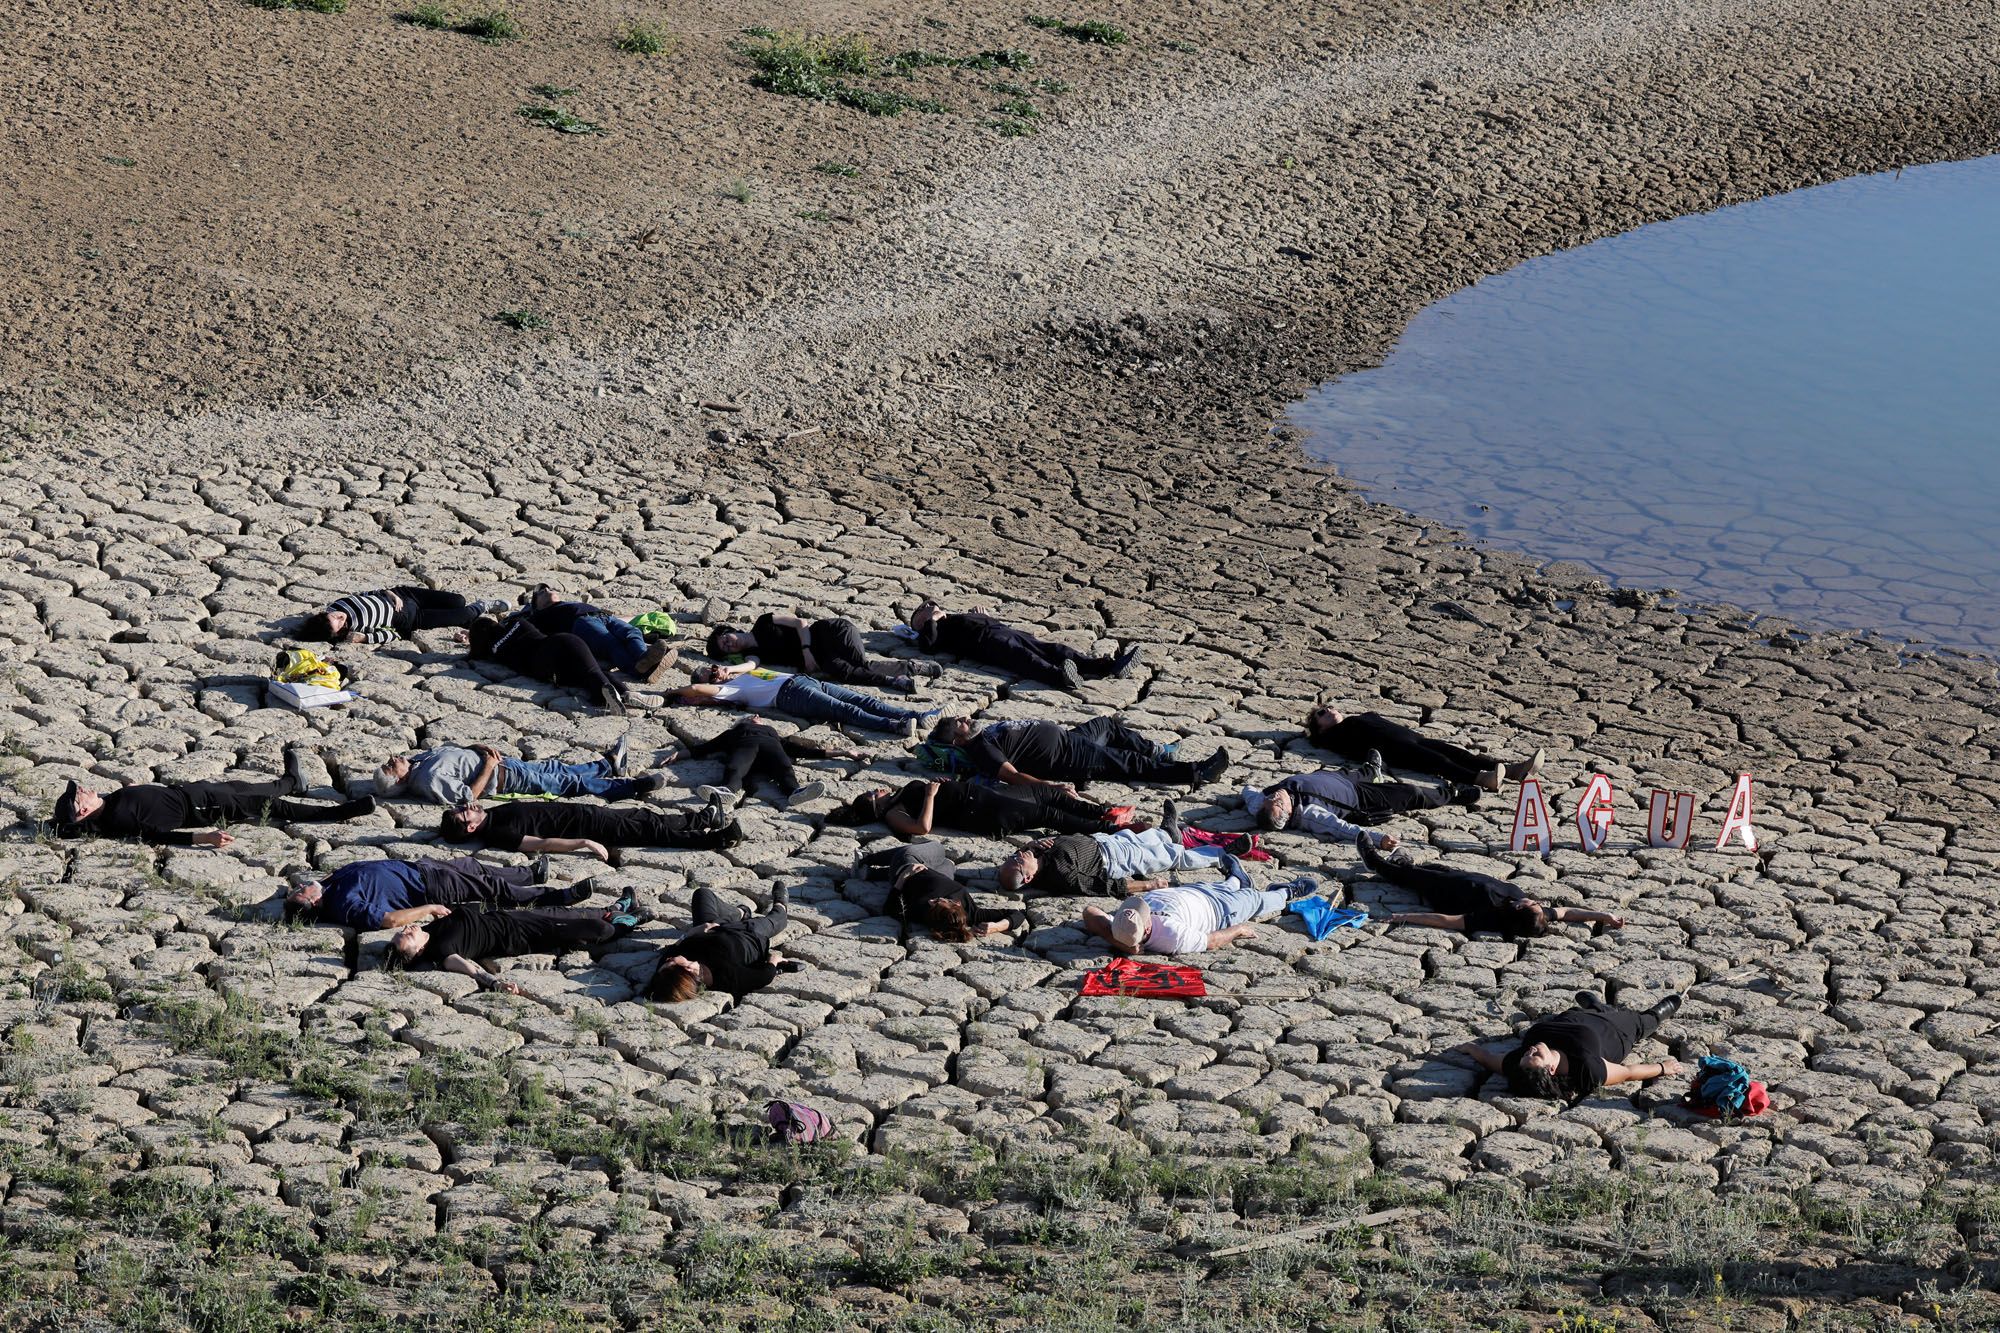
[1018,778]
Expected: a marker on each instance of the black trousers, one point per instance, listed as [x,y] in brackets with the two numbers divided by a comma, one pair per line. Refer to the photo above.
[889,862]
[751,749]
[1002,811]
[1405,748]
[1106,747]
[1375,801]
[427,608]
[467,879]
[1442,890]
[981,638]
[842,658]
[549,930]
[711,910]
[247,802]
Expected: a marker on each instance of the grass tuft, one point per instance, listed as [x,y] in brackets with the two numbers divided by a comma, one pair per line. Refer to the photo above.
[521,320]
[559,120]
[1095,31]
[495,25]
[818,67]
[837,169]
[641,38]
[435,17]
[315,6]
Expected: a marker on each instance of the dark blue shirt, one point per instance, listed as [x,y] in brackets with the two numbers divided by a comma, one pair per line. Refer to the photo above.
[362,893]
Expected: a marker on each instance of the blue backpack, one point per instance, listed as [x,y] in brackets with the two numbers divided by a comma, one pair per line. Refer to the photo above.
[1721,1083]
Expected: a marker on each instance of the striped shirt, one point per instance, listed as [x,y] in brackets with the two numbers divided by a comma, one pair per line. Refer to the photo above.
[371,616]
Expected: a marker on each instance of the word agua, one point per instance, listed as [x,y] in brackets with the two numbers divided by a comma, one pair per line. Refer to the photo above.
[1669,818]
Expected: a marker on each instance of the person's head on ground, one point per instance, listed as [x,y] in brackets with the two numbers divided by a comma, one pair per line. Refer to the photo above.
[948,921]
[1322,719]
[540,598]
[462,823]
[1019,870]
[925,615]
[729,641]
[393,776]
[409,944]
[1526,919]
[954,730]
[708,675]
[481,636]
[1276,811]
[681,979]
[1531,1072]
[327,626]
[1131,922]
[75,807]
[866,808]
[303,894]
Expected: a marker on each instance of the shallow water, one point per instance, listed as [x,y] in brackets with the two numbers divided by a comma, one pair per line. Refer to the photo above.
[1790,405]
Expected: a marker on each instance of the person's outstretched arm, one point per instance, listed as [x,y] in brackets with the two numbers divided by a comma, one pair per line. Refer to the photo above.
[404,916]
[1641,1073]
[1435,920]
[558,846]
[1096,922]
[1578,916]
[1224,938]
[698,694]
[465,967]
[1486,1059]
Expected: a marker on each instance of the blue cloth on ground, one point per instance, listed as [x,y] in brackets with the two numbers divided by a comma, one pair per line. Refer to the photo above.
[1322,918]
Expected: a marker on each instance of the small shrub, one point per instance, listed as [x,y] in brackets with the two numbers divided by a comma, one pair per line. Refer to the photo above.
[640,38]
[316,6]
[552,92]
[559,120]
[1095,31]
[495,25]
[1011,129]
[1018,107]
[426,16]
[739,190]
[837,169]
[521,320]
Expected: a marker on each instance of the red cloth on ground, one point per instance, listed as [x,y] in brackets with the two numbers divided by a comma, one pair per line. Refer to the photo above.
[1155,981]
[1755,1102]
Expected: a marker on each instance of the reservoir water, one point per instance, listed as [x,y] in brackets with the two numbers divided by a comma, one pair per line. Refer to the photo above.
[1792,405]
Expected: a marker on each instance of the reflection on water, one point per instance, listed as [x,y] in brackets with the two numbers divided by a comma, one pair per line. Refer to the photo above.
[1790,405]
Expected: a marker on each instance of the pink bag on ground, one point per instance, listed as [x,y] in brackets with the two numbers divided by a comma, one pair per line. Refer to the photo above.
[795,1122]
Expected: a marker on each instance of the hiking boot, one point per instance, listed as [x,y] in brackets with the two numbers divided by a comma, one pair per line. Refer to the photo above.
[808,791]
[659,656]
[1072,678]
[616,756]
[647,783]
[1490,779]
[1170,820]
[1121,665]
[1372,769]
[614,702]
[1211,768]
[541,869]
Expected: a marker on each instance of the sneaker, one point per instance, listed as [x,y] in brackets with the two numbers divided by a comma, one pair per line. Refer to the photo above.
[615,757]
[711,817]
[1120,816]
[904,685]
[542,869]
[1465,794]
[578,892]
[655,664]
[1305,886]
[670,753]
[1170,749]
[808,791]
[491,606]
[1372,768]
[648,783]
[614,702]
[1212,767]
[727,797]
[928,670]
[1121,665]
[913,731]
[1370,857]
[1072,678]
[628,902]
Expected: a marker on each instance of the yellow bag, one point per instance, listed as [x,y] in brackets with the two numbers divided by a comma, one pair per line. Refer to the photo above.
[303,666]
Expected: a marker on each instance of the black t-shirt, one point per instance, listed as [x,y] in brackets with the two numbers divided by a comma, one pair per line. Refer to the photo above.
[1074,864]
[146,811]
[1591,1039]
[1039,749]
[614,826]
[739,961]
[957,804]
[474,934]
[962,634]
[777,645]
[1484,902]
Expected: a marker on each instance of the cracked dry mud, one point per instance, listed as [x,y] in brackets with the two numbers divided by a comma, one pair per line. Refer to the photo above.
[1037,377]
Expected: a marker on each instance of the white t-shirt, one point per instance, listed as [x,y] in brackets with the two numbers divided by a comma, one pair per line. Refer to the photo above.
[1182,921]
[755,688]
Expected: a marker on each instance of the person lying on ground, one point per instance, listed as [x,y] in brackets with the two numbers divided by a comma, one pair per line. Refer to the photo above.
[1034,753]
[166,814]
[614,641]
[924,891]
[1332,804]
[1105,865]
[980,638]
[1470,903]
[456,774]
[1192,918]
[559,659]
[1369,738]
[383,895]
[727,949]
[922,807]
[829,649]
[759,688]
[752,750]
[592,830]
[459,939]
[391,613]
[1570,1055]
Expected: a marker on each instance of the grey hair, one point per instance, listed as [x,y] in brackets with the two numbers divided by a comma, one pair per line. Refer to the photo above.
[385,785]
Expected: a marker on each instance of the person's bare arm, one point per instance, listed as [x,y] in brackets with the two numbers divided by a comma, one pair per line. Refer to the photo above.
[904,824]
[1222,939]
[419,915]
[995,928]
[1435,920]
[1013,776]
[1579,916]
[698,694]
[489,766]
[1097,922]
[1485,1058]
[1640,1073]
[465,967]
[559,846]
[214,837]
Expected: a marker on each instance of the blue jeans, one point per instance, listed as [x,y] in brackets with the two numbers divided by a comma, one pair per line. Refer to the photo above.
[613,642]
[552,777]
[817,701]
[1236,901]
